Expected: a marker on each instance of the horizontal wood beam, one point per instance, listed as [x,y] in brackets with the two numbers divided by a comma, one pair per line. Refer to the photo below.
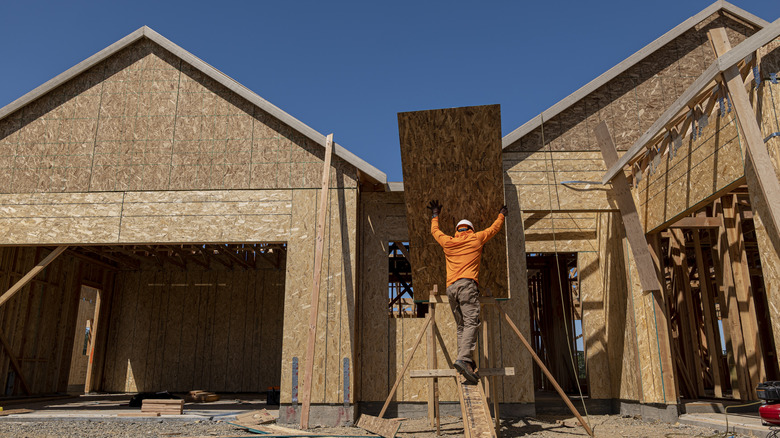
[448,372]
[697,222]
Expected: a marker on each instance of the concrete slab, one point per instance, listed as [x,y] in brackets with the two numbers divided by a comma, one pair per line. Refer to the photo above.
[743,424]
[106,407]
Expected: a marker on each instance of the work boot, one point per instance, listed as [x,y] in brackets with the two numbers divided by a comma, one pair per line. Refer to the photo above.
[467,371]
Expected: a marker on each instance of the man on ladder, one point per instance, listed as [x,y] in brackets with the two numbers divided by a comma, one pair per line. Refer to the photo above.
[463,253]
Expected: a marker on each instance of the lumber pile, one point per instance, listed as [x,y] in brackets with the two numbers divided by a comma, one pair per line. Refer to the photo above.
[4,413]
[163,407]
[198,396]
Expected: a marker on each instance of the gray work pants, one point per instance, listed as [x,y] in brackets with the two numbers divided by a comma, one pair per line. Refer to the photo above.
[464,302]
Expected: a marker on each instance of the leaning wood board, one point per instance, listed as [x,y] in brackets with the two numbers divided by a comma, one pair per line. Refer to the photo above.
[454,156]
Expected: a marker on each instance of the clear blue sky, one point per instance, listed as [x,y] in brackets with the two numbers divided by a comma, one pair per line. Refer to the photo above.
[349,67]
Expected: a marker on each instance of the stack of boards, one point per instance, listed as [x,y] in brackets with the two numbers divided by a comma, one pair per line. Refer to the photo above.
[163,407]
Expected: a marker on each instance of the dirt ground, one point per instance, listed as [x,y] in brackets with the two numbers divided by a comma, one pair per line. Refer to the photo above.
[551,426]
[542,426]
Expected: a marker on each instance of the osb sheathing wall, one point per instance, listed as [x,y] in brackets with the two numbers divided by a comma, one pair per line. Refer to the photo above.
[386,343]
[212,329]
[38,322]
[583,217]
[92,161]
[768,239]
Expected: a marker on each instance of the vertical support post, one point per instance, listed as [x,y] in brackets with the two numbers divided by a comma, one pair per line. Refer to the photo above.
[725,277]
[433,383]
[93,334]
[713,341]
[315,291]
[661,311]
[744,291]
[685,303]
[648,274]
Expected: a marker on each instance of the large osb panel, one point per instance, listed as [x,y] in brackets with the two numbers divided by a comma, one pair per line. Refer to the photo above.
[690,173]
[335,321]
[145,120]
[594,324]
[454,156]
[146,217]
[386,342]
[538,177]
[229,321]
[633,100]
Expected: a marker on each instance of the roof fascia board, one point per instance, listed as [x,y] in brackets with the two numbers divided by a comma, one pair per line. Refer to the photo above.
[71,73]
[729,59]
[145,31]
[629,62]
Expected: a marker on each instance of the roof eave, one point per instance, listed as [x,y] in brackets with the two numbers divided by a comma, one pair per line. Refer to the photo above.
[627,63]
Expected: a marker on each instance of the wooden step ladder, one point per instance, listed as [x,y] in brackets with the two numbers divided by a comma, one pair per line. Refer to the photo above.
[477,422]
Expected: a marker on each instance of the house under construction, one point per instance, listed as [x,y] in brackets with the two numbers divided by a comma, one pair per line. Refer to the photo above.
[175,212]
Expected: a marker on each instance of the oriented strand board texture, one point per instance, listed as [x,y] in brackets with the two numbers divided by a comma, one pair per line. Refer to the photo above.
[538,177]
[212,329]
[699,168]
[336,318]
[632,101]
[594,325]
[145,120]
[218,216]
[39,321]
[454,156]
[768,238]
[547,231]
[385,343]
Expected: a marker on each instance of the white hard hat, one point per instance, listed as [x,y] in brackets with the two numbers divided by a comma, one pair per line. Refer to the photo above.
[464,222]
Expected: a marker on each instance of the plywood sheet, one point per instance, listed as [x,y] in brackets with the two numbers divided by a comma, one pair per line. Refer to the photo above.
[454,156]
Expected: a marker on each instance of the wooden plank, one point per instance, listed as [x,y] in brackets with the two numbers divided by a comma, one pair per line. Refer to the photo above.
[88,385]
[448,372]
[315,291]
[380,426]
[728,299]
[628,212]
[15,411]
[685,302]
[31,274]
[713,341]
[766,178]
[697,222]
[476,414]
[139,414]
[662,323]
[744,292]
[544,369]
[447,153]
[433,384]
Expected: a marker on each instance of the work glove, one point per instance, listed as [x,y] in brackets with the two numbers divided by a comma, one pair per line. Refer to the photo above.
[503,210]
[435,208]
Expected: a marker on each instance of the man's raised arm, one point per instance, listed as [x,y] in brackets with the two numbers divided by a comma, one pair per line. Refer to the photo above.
[491,231]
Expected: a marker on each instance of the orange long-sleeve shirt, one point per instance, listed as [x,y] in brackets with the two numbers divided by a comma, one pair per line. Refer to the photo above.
[464,251]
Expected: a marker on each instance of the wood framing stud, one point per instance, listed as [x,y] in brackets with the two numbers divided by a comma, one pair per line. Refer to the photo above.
[315,291]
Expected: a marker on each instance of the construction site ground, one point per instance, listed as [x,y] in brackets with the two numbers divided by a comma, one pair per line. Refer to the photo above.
[99,416]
